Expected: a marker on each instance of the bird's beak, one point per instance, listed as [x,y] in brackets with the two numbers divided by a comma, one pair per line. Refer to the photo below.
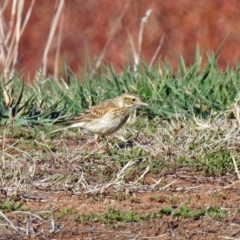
[142,104]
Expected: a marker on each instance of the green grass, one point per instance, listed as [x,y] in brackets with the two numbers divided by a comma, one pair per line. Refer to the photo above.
[190,90]
[113,215]
[10,206]
[64,212]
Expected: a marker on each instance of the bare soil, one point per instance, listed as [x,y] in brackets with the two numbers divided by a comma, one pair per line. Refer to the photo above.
[183,187]
[186,190]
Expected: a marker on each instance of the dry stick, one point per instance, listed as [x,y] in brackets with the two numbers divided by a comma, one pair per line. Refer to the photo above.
[3,159]
[2,35]
[155,237]
[3,149]
[10,223]
[110,38]
[51,34]
[31,216]
[143,175]
[12,23]
[21,23]
[5,37]
[166,186]
[235,166]
[18,33]
[34,214]
[117,180]
[8,41]
[119,177]
[59,40]
[4,6]
[225,237]
[53,225]
[27,16]
[134,51]
[136,54]
[2,47]
[140,35]
[14,34]
[20,29]
[12,52]
[236,111]
[157,51]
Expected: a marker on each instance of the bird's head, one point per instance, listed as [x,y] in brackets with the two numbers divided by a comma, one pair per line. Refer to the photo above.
[130,100]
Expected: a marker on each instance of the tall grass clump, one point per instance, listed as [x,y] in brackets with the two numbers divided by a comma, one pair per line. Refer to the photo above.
[188,91]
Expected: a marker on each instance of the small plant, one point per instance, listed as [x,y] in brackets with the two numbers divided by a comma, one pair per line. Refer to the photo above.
[185,212]
[216,163]
[64,212]
[166,210]
[111,216]
[216,212]
[10,206]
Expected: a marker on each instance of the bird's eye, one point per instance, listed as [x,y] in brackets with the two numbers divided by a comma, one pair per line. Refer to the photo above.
[133,100]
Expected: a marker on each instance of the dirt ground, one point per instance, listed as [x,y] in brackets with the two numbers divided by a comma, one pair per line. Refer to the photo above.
[49,212]
[186,189]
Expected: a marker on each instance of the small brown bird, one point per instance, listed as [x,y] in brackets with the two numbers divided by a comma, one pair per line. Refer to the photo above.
[108,116]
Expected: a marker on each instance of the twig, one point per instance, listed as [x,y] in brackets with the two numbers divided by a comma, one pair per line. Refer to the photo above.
[140,37]
[11,224]
[142,24]
[51,34]
[52,221]
[157,51]
[110,38]
[59,40]
[235,166]
[155,237]
[10,40]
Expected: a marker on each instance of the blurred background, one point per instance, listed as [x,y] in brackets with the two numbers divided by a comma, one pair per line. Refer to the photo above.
[44,35]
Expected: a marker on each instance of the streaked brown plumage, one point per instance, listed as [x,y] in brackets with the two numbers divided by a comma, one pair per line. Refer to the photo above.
[108,116]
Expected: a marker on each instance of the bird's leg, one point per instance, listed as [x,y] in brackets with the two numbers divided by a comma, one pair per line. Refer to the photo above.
[96,142]
[100,148]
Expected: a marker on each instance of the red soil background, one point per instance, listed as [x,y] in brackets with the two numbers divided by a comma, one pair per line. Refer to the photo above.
[87,26]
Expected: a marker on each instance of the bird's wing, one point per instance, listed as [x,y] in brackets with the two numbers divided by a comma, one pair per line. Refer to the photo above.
[95,112]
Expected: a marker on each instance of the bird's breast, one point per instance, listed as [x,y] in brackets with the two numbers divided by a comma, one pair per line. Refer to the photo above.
[107,124]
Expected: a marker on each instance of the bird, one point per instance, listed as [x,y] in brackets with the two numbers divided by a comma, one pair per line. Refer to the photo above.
[107,116]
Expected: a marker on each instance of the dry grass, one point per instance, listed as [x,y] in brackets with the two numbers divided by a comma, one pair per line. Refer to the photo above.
[11,34]
[26,157]
[34,167]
